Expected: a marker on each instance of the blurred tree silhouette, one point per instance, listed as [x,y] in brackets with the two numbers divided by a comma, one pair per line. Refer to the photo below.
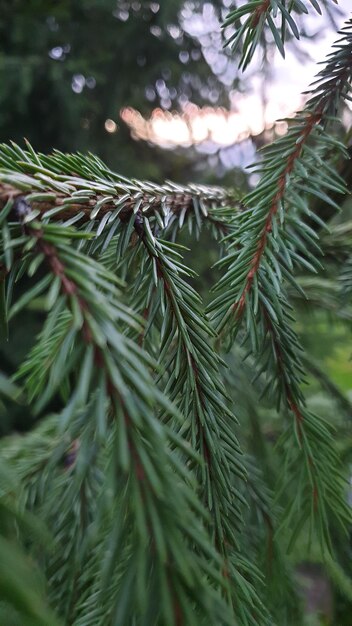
[68,66]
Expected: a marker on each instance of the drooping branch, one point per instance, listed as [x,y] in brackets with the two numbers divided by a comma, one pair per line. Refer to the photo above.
[268,243]
[194,383]
[113,387]
[273,228]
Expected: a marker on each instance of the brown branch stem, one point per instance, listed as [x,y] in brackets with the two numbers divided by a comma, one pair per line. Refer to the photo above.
[312,120]
[149,202]
[260,10]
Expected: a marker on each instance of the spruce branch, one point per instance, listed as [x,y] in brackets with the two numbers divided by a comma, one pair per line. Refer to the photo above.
[194,384]
[272,237]
[261,14]
[114,392]
[26,209]
[271,241]
[82,190]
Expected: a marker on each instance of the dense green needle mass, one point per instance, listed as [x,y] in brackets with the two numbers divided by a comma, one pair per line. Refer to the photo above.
[156,506]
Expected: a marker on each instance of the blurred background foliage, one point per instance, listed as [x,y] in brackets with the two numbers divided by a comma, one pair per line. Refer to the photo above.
[66,67]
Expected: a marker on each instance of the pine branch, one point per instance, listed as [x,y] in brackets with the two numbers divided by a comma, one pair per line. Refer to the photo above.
[114,392]
[269,230]
[78,189]
[210,204]
[194,383]
[272,239]
[261,14]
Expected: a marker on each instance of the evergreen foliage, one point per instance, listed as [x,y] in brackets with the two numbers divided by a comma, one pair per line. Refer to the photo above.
[155,514]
